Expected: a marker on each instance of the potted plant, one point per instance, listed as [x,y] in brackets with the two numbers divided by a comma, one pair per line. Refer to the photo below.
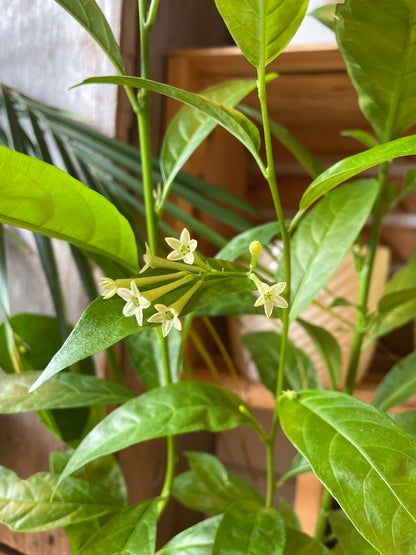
[363,457]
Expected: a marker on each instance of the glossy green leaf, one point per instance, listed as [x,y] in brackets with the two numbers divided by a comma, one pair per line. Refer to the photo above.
[378,45]
[102,324]
[398,302]
[264,349]
[37,338]
[41,503]
[353,165]
[324,237]
[90,16]
[239,244]
[64,391]
[209,488]
[248,529]
[188,129]
[262,28]
[42,198]
[365,460]
[196,540]
[350,540]
[144,352]
[298,543]
[174,409]
[325,14]
[129,532]
[229,118]
[300,465]
[328,349]
[398,385]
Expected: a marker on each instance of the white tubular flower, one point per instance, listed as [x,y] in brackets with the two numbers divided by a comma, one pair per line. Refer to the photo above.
[183,248]
[270,296]
[135,302]
[167,316]
[109,286]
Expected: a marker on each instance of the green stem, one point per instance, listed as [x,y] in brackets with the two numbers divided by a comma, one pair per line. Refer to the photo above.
[271,179]
[322,522]
[364,285]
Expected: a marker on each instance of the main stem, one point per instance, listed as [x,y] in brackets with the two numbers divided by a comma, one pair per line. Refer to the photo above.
[142,109]
[271,179]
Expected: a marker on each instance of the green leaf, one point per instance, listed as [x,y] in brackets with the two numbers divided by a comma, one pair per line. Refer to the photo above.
[170,410]
[129,532]
[102,324]
[144,352]
[328,349]
[353,165]
[397,305]
[298,543]
[406,419]
[42,198]
[197,540]
[398,385]
[90,16]
[324,237]
[209,488]
[365,460]
[299,466]
[229,118]
[325,14]
[350,540]
[262,29]
[378,44]
[264,349]
[41,503]
[188,129]
[37,338]
[239,244]
[67,390]
[248,529]
[359,135]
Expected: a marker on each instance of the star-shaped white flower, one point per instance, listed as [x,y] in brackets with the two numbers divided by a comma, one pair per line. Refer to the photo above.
[183,248]
[167,316]
[270,296]
[135,302]
[109,286]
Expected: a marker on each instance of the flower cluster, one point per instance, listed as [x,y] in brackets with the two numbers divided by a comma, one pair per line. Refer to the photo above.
[182,267]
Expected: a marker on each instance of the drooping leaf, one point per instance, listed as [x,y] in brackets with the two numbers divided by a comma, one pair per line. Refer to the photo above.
[209,488]
[102,324]
[129,532]
[347,535]
[247,529]
[324,237]
[42,198]
[378,45]
[41,503]
[188,129]
[144,352]
[239,244]
[173,409]
[90,16]
[264,349]
[197,540]
[298,543]
[398,385]
[328,349]
[261,29]
[398,302]
[353,165]
[229,118]
[365,460]
[68,390]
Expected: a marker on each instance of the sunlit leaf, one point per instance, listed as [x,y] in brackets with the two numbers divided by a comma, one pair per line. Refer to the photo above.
[262,29]
[239,244]
[42,198]
[197,540]
[365,460]
[325,14]
[347,535]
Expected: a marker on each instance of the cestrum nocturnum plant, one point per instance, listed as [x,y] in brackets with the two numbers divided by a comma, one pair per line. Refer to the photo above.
[185,271]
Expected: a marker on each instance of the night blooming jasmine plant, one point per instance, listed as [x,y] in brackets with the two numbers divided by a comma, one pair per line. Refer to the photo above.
[363,455]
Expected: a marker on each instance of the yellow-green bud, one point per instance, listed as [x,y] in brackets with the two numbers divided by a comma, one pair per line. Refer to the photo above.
[255,249]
